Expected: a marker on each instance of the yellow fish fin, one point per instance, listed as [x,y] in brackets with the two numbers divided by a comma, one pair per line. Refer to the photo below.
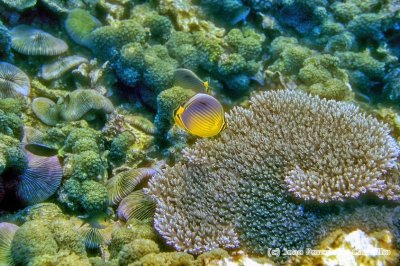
[177,117]
[223,126]
[207,87]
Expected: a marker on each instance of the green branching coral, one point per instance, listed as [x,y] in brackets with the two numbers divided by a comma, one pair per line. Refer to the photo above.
[167,102]
[181,47]
[94,196]
[317,149]
[76,139]
[323,77]
[69,194]
[210,49]
[367,26]
[160,26]
[247,43]
[10,105]
[85,162]
[152,63]
[345,11]
[290,55]
[10,124]
[106,41]
[120,146]
[84,165]
[363,62]
[160,68]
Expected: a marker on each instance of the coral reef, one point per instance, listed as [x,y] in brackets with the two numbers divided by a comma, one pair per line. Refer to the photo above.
[227,170]
[88,92]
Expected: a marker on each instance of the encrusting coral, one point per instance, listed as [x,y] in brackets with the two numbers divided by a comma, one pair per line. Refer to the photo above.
[317,149]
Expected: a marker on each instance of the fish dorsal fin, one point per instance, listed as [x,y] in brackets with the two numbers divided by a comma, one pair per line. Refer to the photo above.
[207,87]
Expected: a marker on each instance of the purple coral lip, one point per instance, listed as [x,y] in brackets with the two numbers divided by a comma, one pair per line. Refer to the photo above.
[40,180]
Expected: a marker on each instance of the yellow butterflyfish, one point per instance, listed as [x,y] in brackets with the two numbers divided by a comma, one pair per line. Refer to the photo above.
[202,116]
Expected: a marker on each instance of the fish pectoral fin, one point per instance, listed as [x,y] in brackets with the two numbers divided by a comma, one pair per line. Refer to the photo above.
[177,117]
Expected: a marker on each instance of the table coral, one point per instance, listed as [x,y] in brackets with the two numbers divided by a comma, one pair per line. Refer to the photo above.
[249,183]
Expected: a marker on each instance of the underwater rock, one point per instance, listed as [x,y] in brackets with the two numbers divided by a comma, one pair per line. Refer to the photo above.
[46,111]
[20,5]
[61,66]
[13,81]
[30,41]
[79,24]
[81,102]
